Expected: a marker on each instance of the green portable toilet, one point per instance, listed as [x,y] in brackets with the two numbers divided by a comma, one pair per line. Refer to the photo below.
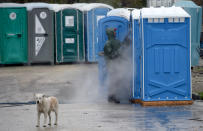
[13,33]
[70,46]
[196,21]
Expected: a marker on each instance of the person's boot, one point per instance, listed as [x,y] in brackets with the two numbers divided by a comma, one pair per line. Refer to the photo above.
[112,98]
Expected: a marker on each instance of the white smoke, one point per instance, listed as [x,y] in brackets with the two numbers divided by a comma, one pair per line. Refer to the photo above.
[119,81]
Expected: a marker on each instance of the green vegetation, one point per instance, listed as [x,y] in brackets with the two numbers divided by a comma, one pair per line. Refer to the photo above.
[198,69]
[201,95]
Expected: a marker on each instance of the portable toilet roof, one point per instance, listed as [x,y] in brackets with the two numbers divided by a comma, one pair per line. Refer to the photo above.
[136,14]
[91,6]
[74,6]
[88,7]
[79,4]
[30,6]
[70,6]
[121,12]
[169,12]
[58,7]
[9,5]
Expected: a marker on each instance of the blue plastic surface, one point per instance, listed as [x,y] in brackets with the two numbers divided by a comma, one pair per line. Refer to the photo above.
[166,61]
[137,61]
[91,32]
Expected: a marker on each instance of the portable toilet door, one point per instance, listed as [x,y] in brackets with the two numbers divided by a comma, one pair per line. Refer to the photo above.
[41,33]
[13,34]
[137,60]
[196,23]
[69,35]
[93,13]
[166,55]
[121,24]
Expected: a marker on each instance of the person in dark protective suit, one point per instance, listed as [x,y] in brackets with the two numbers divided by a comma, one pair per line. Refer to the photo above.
[112,46]
[111,52]
[116,55]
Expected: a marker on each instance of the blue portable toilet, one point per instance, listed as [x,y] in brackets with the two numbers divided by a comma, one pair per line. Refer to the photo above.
[195,12]
[93,13]
[136,54]
[116,18]
[165,73]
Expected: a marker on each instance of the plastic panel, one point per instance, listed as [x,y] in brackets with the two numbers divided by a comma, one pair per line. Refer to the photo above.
[70,42]
[137,60]
[41,45]
[166,60]
[14,35]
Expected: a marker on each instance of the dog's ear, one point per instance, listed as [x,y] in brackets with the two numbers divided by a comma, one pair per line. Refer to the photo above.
[44,96]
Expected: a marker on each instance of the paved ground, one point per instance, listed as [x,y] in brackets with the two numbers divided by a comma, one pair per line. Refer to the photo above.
[106,117]
[82,108]
[19,83]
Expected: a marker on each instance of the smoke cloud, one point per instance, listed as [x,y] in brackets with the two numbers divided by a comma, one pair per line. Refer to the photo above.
[119,81]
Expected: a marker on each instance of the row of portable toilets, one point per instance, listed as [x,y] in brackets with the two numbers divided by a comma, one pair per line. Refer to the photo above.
[48,33]
[68,33]
[164,49]
[161,42]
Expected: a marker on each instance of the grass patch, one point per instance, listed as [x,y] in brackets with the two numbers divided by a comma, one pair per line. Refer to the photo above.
[201,95]
[198,69]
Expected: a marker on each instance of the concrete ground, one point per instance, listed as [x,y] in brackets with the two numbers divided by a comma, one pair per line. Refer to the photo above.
[106,117]
[83,107]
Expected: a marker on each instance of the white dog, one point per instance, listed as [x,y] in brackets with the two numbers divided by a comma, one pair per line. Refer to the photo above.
[46,105]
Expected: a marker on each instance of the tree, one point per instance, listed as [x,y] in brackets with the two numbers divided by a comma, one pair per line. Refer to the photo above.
[198,2]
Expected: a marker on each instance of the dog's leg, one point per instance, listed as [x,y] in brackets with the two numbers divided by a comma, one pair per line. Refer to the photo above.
[45,119]
[56,117]
[38,119]
[49,113]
